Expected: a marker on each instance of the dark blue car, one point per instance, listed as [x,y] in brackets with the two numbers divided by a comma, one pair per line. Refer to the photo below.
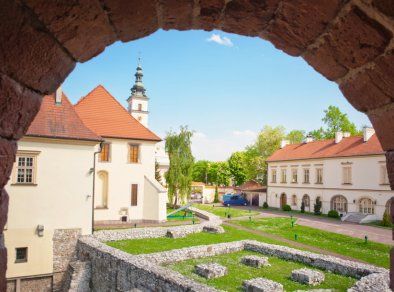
[235,200]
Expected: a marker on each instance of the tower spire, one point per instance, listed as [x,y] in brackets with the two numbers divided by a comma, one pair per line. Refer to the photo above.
[138,88]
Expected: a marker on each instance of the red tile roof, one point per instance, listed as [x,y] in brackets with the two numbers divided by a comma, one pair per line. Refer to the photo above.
[59,121]
[104,115]
[351,146]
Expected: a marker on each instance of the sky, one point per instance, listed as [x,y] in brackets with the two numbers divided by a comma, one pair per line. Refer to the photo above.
[224,87]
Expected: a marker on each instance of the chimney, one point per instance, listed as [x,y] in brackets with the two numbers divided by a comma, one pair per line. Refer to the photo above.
[368,133]
[346,134]
[338,137]
[58,95]
[284,143]
[308,139]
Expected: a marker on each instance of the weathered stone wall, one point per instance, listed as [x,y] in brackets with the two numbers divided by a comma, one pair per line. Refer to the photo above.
[42,284]
[64,252]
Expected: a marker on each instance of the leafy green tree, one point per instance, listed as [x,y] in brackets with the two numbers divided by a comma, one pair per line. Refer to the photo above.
[219,173]
[295,136]
[179,174]
[317,134]
[336,121]
[317,207]
[216,199]
[157,172]
[237,168]
[200,171]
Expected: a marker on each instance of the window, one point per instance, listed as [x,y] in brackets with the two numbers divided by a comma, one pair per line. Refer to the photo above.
[339,203]
[26,169]
[105,152]
[294,175]
[306,175]
[384,179]
[133,153]
[319,175]
[347,175]
[134,195]
[273,178]
[21,255]
[306,200]
[367,206]
[140,107]
[294,200]
[283,176]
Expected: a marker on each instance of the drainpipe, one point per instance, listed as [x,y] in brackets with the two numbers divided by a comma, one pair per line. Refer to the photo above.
[94,180]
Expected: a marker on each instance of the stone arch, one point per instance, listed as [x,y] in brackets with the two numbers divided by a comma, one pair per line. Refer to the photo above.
[101,196]
[339,203]
[307,202]
[349,42]
[366,205]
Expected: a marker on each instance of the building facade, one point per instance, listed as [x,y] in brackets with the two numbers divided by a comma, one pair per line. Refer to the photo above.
[50,197]
[348,174]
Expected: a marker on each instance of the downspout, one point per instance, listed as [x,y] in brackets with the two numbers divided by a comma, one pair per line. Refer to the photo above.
[94,181]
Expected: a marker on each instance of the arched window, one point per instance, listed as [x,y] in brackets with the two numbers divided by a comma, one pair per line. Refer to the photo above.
[307,201]
[388,205]
[366,206]
[294,200]
[339,203]
[101,196]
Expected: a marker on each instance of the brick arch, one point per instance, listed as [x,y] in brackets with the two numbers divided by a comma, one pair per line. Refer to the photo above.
[350,42]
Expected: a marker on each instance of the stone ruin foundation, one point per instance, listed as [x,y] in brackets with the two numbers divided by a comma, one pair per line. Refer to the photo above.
[211,270]
[255,261]
[307,276]
[262,285]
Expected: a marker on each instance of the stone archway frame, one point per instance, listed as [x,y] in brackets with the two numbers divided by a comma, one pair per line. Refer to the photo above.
[349,42]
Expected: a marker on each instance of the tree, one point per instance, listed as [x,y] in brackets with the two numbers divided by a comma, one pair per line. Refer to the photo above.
[179,174]
[200,171]
[216,199]
[317,134]
[302,207]
[337,121]
[237,169]
[157,172]
[317,206]
[295,136]
[219,173]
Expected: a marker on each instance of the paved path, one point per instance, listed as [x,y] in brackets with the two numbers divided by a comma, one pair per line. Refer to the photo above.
[377,234]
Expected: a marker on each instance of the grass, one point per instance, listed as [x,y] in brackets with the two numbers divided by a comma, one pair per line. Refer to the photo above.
[143,246]
[279,271]
[298,212]
[379,223]
[181,216]
[224,211]
[372,252]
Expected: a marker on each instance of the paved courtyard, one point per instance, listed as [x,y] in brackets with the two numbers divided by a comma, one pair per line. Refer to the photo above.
[377,234]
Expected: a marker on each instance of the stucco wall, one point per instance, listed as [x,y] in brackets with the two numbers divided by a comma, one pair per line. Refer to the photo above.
[155,196]
[60,200]
[121,175]
[366,182]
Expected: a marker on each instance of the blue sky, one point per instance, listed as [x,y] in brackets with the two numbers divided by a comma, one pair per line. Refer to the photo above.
[223,86]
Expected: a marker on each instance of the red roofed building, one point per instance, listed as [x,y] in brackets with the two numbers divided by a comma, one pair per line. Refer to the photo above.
[348,174]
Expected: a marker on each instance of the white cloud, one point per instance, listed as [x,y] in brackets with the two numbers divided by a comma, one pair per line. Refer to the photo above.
[245,133]
[221,40]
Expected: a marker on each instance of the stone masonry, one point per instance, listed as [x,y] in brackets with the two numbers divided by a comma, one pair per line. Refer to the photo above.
[307,276]
[262,285]
[210,270]
[348,42]
[255,261]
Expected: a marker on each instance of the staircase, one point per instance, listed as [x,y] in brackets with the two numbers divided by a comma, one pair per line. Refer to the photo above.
[80,273]
[354,217]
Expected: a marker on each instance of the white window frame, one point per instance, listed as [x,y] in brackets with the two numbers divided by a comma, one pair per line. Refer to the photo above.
[319,175]
[21,166]
[273,175]
[283,175]
[307,174]
[294,175]
[346,175]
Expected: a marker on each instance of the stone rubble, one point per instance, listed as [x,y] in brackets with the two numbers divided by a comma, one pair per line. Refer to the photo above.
[175,233]
[255,261]
[210,270]
[307,276]
[262,285]
[378,282]
[213,229]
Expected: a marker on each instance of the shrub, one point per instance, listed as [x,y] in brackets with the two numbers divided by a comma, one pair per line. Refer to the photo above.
[302,207]
[333,214]
[286,208]
[265,205]
[317,207]
[386,219]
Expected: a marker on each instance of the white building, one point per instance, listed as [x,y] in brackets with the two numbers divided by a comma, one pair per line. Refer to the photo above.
[125,188]
[50,194]
[348,174]
[163,161]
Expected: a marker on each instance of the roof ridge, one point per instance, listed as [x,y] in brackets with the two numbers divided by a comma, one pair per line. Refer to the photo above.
[325,140]
[83,97]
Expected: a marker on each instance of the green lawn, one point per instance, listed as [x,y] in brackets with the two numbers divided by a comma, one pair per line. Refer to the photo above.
[372,252]
[224,211]
[279,271]
[182,216]
[142,246]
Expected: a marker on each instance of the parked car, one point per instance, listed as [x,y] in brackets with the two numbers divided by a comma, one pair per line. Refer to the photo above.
[227,197]
[235,200]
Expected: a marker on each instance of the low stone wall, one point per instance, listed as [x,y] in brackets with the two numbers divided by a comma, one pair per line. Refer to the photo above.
[154,232]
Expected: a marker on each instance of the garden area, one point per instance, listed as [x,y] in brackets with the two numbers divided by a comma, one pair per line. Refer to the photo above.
[279,270]
[182,216]
[223,211]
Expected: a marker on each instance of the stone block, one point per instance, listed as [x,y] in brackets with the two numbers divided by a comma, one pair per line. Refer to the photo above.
[28,53]
[353,41]
[176,14]
[209,15]
[373,87]
[3,265]
[18,107]
[307,276]
[262,285]
[383,120]
[255,261]
[211,270]
[4,201]
[132,19]
[81,26]
[7,158]
[390,173]
[384,6]
[293,28]
[213,229]
[248,17]
[175,233]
